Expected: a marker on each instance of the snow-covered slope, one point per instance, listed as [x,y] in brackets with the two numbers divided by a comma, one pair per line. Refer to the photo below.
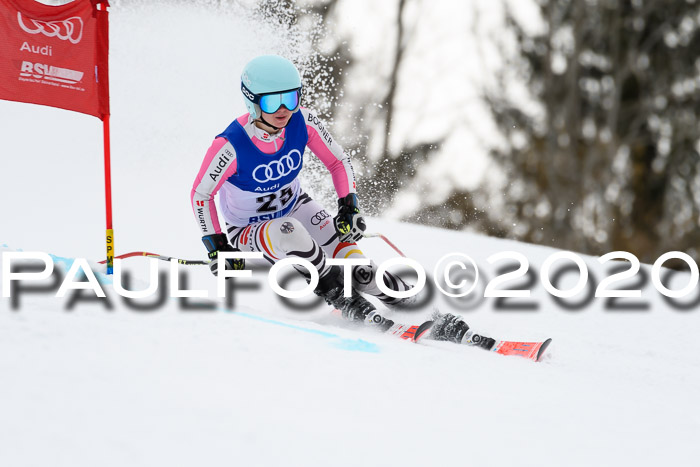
[84,384]
[264,385]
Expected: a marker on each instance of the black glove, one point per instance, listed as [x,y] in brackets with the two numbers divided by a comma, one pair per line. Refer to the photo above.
[216,243]
[349,223]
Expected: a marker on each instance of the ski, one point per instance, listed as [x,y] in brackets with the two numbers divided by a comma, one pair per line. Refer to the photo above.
[404,331]
[450,327]
[531,350]
[410,332]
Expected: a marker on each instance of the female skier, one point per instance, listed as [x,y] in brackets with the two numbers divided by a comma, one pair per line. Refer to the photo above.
[254,165]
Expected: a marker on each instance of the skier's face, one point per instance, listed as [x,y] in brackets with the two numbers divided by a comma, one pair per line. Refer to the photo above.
[279,118]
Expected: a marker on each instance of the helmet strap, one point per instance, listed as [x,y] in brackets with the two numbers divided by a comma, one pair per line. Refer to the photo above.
[269,124]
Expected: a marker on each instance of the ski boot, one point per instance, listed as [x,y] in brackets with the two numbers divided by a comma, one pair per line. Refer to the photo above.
[399,304]
[452,328]
[354,308]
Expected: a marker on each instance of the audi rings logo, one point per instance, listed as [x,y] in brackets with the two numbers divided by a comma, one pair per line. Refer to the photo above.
[70,29]
[277,169]
[320,217]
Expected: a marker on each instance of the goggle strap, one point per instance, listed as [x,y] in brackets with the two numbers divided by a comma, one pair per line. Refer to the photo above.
[256,97]
[249,94]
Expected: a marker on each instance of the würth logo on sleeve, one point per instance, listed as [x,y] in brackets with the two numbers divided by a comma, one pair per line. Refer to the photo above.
[70,29]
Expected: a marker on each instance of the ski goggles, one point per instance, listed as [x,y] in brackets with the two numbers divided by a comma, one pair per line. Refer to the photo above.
[271,102]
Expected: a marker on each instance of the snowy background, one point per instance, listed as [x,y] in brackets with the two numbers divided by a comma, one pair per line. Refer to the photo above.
[83,383]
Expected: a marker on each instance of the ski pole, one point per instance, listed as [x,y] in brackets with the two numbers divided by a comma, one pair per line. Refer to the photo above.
[185,262]
[194,262]
[375,235]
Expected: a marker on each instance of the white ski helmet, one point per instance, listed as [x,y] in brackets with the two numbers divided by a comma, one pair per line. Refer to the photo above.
[270,75]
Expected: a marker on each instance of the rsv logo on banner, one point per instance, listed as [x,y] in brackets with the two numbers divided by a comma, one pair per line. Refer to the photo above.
[55,55]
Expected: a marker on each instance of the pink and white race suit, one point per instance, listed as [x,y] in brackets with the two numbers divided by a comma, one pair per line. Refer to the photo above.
[264,207]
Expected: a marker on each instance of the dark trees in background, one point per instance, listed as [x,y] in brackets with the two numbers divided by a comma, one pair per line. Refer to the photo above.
[601,147]
[609,160]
